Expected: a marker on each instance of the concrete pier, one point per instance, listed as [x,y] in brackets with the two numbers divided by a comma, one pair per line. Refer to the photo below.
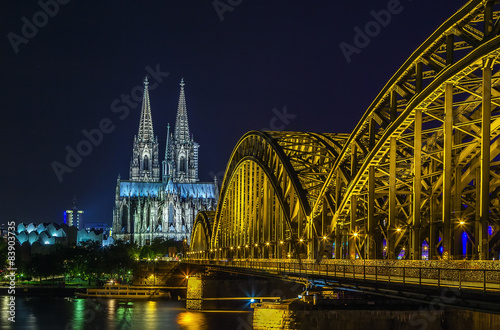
[222,291]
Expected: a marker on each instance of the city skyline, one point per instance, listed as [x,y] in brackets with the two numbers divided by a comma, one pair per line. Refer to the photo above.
[246,66]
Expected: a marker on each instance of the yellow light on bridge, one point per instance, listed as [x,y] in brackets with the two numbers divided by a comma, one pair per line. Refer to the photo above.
[301,240]
[398,229]
[246,245]
[462,222]
[355,234]
[281,242]
[256,245]
[231,247]
[267,243]
[324,237]
[238,247]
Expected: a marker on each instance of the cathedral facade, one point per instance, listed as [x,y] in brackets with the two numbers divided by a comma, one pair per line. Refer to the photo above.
[161,199]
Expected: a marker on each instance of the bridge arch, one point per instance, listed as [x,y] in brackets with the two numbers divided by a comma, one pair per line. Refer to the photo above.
[421,159]
[202,233]
[270,184]
[417,177]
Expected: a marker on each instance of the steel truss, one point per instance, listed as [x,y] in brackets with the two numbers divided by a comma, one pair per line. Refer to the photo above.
[420,166]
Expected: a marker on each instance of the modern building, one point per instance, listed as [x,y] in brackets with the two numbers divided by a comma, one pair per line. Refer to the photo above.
[97,225]
[53,233]
[74,217]
[161,200]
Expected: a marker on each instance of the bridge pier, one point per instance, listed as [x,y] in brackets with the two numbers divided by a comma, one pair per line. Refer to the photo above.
[215,291]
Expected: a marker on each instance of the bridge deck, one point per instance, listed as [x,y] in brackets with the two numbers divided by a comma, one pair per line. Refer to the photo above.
[484,276]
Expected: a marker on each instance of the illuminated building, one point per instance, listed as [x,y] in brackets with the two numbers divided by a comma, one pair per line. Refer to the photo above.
[74,217]
[161,202]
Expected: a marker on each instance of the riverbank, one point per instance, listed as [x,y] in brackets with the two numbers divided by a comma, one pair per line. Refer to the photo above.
[47,291]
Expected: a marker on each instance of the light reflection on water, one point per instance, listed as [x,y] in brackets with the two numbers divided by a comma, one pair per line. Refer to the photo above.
[192,321]
[69,313]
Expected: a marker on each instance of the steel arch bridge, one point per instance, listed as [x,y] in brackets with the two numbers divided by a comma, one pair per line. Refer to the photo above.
[417,178]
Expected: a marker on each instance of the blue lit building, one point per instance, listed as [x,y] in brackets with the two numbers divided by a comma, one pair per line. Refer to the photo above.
[161,200]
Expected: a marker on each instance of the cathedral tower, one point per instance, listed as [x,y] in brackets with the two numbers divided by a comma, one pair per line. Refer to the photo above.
[149,206]
[145,165]
[181,152]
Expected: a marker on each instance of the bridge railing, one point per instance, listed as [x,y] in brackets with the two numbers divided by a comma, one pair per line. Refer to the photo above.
[482,276]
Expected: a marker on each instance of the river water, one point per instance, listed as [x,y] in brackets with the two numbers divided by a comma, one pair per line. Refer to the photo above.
[70,313]
[53,313]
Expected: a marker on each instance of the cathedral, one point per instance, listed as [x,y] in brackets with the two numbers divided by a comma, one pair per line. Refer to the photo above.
[161,199]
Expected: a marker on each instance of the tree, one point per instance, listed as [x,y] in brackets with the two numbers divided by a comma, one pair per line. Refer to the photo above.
[3,254]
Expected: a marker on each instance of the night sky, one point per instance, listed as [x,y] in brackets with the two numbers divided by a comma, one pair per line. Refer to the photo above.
[238,64]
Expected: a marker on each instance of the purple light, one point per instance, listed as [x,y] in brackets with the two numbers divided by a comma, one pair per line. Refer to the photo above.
[425,250]
[464,243]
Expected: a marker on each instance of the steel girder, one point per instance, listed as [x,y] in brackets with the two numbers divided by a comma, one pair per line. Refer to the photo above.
[272,180]
[202,232]
[420,166]
[423,158]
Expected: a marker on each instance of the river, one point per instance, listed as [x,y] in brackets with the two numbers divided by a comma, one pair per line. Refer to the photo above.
[70,313]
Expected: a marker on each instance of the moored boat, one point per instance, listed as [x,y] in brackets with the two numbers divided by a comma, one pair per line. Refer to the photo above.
[125,292]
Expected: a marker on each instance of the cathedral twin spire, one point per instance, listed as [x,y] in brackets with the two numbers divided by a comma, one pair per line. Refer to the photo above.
[181,152]
[181,122]
[145,165]
[146,123]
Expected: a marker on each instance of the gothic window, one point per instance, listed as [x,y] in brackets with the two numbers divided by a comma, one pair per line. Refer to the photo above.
[124,222]
[145,165]
[182,164]
[148,218]
[170,214]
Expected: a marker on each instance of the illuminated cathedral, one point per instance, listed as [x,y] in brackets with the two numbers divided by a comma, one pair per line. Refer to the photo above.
[161,199]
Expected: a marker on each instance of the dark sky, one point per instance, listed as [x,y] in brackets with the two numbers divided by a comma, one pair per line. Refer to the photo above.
[263,55]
